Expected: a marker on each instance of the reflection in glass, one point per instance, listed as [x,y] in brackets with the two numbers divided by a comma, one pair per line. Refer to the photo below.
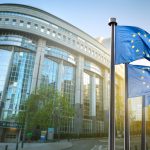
[99,102]
[49,73]
[86,95]
[19,83]
[69,82]
[59,53]
[5,57]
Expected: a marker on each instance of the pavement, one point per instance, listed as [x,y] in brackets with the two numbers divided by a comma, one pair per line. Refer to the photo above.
[61,145]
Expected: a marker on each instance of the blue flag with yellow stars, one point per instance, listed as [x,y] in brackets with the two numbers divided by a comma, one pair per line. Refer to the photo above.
[138,80]
[131,43]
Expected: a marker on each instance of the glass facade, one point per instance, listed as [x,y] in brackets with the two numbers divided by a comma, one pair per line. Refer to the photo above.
[99,98]
[49,72]
[68,86]
[86,95]
[5,57]
[17,40]
[19,74]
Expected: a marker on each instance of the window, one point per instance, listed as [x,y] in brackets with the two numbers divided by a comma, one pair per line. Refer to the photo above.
[85,48]
[64,37]
[54,34]
[69,40]
[36,26]
[42,29]
[78,44]
[28,24]
[6,20]
[21,23]
[59,35]
[14,22]
[48,31]
[73,41]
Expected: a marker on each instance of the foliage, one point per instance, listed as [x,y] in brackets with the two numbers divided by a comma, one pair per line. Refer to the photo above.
[46,108]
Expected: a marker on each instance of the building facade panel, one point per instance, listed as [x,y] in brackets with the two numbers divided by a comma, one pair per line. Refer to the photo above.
[41,49]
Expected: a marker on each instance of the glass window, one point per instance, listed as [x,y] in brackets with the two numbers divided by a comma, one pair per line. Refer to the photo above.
[6,20]
[86,95]
[42,29]
[21,23]
[99,98]
[5,57]
[60,54]
[14,22]
[64,38]
[19,83]
[36,26]
[48,31]
[68,86]
[54,34]
[59,35]
[49,73]
[17,41]
[28,24]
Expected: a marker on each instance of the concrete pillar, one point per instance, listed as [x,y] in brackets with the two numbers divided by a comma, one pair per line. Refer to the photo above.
[106,99]
[39,58]
[93,103]
[60,76]
[78,120]
[93,96]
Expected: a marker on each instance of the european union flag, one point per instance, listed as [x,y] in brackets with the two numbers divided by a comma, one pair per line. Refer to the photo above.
[132,43]
[138,80]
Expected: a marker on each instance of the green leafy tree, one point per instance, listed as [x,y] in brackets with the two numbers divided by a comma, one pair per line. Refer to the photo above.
[46,108]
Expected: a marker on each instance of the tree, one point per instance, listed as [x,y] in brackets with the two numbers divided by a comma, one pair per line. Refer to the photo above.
[45,108]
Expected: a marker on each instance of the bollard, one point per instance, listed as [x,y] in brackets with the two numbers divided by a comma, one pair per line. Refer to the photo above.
[6,147]
[135,147]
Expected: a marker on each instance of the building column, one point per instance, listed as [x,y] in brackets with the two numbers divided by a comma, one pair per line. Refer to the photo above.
[106,99]
[39,58]
[60,75]
[78,120]
[93,103]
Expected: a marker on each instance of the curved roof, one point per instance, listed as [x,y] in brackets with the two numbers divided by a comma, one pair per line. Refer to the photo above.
[92,40]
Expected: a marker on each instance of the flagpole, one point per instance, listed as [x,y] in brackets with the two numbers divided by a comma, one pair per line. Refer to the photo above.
[112,23]
[143,136]
[126,121]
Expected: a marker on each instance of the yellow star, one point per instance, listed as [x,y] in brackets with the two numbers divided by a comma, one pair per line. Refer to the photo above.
[145,35]
[142,77]
[144,82]
[147,86]
[137,50]
[143,52]
[132,41]
[139,33]
[133,46]
[134,35]
[149,40]
[148,55]
[143,71]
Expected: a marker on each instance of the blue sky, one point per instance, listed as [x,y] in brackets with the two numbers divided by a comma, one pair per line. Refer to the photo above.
[92,16]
